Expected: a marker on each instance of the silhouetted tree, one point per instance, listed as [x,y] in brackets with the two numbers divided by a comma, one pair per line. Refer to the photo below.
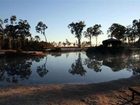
[116,30]
[11,29]
[40,28]
[59,44]
[1,33]
[129,34]
[88,34]
[67,42]
[37,38]
[96,31]
[77,28]
[16,31]
[64,44]
[93,31]
[23,32]
[136,28]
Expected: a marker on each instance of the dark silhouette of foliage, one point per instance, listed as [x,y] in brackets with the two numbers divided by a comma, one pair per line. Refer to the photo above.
[37,38]
[40,28]
[136,29]
[129,34]
[88,34]
[16,32]
[93,31]
[76,29]
[116,30]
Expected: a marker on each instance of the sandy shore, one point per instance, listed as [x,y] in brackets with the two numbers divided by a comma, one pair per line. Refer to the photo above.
[107,93]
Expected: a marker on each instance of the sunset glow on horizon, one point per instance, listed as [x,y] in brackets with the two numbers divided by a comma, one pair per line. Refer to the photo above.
[57,14]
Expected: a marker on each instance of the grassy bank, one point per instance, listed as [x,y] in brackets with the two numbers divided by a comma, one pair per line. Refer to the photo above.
[69,94]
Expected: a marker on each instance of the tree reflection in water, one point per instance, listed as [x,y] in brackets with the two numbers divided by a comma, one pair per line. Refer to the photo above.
[42,70]
[130,62]
[77,67]
[93,64]
[13,70]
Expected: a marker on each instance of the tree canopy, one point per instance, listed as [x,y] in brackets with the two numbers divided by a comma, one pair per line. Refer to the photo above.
[76,29]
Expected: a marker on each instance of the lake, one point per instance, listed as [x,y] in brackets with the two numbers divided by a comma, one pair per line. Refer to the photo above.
[67,68]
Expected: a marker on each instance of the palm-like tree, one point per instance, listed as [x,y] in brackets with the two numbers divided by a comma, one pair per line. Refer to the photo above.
[40,28]
[76,29]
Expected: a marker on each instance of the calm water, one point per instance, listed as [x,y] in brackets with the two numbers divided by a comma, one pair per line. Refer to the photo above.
[75,67]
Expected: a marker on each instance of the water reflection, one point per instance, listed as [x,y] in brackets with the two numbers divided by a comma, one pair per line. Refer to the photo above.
[14,70]
[94,64]
[42,70]
[77,67]
[130,62]
[57,54]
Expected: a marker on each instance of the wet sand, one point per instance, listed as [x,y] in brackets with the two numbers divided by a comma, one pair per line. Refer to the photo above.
[107,93]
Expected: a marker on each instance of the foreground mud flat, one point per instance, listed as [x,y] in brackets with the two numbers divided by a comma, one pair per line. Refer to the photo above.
[107,93]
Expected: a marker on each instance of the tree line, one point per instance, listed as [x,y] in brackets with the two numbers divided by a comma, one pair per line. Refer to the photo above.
[127,34]
[15,33]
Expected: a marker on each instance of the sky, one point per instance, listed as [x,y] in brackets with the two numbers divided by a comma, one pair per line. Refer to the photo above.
[57,14]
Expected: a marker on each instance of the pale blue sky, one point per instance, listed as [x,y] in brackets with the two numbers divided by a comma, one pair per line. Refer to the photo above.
[57,14]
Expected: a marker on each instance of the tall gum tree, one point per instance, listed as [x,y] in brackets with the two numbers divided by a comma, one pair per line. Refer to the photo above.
[93,31]
[76,29]
[41,28]
[117,30]
[96,31]
[88,34]
[1,33]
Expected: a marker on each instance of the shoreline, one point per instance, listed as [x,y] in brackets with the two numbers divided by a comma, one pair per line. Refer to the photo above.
[16,53]
[68,94]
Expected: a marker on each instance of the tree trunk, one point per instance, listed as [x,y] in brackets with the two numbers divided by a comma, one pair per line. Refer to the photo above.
[128,41]
[1,42]
[79,42]
[19,43]
[10,42]
[90,41]
[96,40]
[45,38]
